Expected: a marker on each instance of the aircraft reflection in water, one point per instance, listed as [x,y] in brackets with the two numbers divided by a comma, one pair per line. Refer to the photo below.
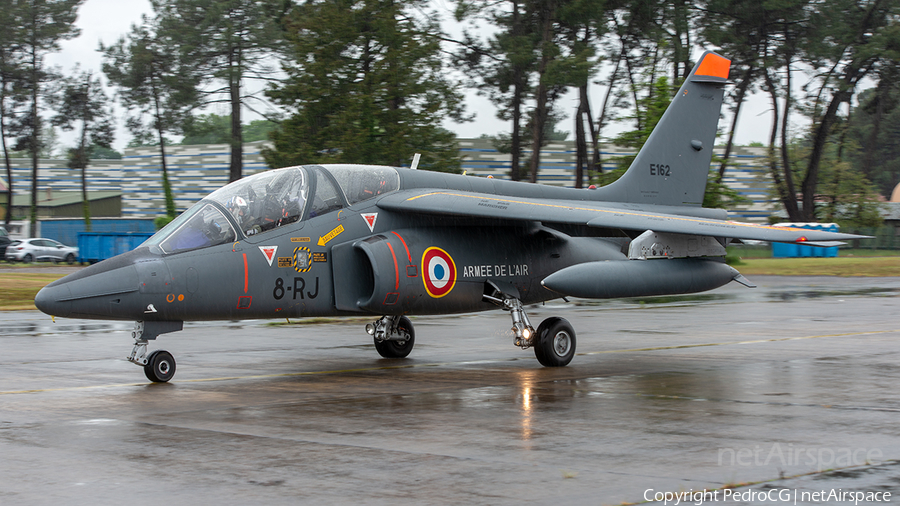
[352,239]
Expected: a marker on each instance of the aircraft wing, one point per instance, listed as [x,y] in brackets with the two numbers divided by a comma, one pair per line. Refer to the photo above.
[482,205]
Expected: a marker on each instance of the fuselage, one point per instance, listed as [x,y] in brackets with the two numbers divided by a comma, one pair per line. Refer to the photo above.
[350,258]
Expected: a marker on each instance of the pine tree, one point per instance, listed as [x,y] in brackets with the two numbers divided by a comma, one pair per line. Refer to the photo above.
[84,105]
[366,84]
[40,26]
[224,43]
[154,87]
[11,96]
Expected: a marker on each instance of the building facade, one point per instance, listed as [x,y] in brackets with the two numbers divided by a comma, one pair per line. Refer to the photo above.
[195,171]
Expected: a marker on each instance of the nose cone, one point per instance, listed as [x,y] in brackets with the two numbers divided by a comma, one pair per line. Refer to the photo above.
[42,301]
[54,300]
[105,290]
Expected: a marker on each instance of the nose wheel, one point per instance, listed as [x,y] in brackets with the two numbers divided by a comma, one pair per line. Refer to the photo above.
[160,366]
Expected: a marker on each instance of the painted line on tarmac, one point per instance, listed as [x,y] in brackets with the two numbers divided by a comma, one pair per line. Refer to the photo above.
[439,364]
[731,343]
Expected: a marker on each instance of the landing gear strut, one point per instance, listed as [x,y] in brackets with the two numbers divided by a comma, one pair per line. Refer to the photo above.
[159,365]
[394,336]
[523,332]
[554,339]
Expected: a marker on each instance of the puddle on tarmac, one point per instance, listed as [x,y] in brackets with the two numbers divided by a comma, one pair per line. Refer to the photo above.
[817,294]
[33,328]
[65,326]
[748,295]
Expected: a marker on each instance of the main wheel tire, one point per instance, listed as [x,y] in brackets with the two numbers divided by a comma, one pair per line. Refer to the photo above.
[70,259]
[160,366]
[554,342]
[398,349]
[28,258]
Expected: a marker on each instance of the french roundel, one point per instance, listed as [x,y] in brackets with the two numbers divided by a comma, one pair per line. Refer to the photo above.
[439,273]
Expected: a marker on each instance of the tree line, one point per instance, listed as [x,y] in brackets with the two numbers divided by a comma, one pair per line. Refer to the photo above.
[374,81]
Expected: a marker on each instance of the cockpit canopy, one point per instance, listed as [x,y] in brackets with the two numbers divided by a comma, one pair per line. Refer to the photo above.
[271,199]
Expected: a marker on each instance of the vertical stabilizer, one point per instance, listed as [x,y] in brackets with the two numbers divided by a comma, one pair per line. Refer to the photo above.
[672,166]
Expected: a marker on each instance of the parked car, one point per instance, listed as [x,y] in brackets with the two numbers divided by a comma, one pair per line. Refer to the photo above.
[4,242]
[30,250]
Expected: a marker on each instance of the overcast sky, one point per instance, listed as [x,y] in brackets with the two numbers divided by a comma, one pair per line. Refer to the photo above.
[108,20]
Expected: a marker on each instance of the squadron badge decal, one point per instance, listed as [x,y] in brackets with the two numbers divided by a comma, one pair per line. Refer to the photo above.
[301,259]
[440,272]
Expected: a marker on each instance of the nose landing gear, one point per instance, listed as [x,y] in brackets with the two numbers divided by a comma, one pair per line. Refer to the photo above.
[159,365]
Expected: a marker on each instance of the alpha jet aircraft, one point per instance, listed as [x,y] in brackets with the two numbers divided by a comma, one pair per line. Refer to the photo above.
[350,240]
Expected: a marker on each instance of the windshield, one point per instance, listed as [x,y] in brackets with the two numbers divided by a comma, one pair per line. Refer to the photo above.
[203,226]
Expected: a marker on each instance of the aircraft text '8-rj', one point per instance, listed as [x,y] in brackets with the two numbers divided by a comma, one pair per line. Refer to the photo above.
[350,240]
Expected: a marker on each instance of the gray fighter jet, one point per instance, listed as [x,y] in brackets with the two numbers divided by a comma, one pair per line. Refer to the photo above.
[351,240]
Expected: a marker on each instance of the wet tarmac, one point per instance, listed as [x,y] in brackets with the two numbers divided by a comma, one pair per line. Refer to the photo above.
[761,390]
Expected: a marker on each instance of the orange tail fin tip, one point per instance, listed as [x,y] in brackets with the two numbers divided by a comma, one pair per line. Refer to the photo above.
[714,65]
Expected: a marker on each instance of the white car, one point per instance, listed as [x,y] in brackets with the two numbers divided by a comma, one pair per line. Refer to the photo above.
[31,250]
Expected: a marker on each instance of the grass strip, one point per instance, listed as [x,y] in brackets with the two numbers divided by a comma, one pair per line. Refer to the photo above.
[818,266]
[17,289]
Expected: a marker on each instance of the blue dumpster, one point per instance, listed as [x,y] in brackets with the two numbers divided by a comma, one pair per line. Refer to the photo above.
[783,250]
[96,246]
[66,230]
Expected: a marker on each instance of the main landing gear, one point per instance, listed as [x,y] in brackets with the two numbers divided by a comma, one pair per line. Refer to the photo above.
[159,365]
[394,336]
[554,339]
